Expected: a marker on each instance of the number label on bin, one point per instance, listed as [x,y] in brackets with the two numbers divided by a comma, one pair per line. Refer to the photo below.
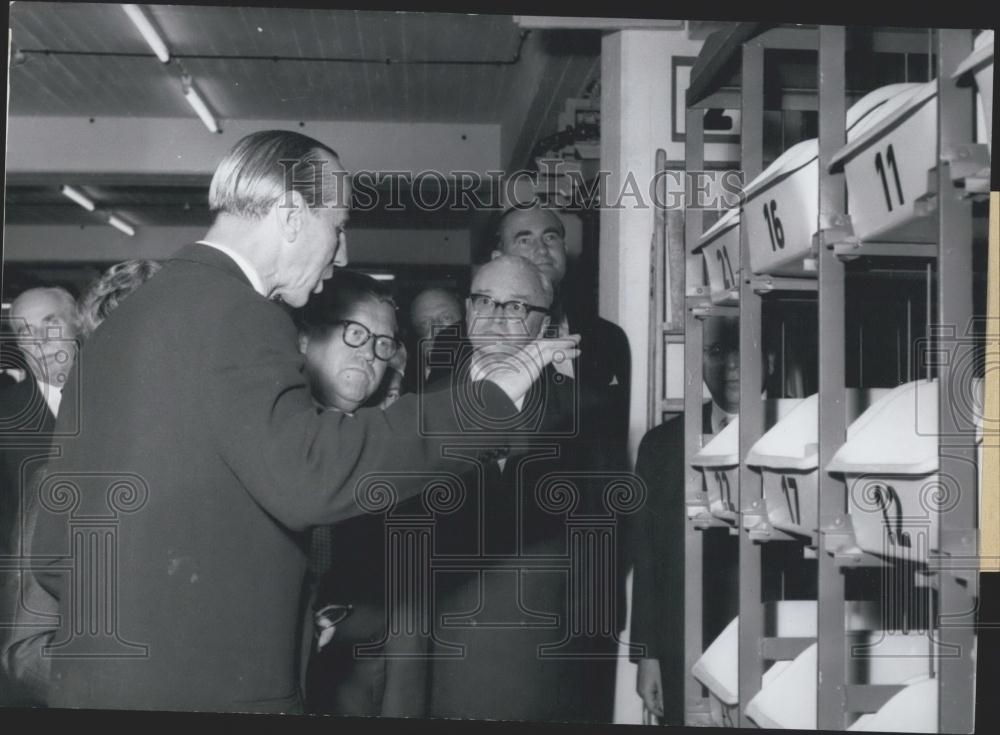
[790,488]
[725,491]
[726,267]
[887,499]
[781,222]
[880,168]
[774,228]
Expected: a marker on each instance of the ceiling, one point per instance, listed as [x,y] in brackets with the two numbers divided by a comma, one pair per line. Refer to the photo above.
[266,63]
[89,60]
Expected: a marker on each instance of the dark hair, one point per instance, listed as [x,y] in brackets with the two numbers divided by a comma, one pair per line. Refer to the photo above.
[498,233]
[341,294]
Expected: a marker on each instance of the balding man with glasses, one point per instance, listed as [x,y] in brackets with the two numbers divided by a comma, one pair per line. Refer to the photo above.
[518,605]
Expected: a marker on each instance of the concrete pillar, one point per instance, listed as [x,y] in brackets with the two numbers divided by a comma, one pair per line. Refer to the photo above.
[636,108]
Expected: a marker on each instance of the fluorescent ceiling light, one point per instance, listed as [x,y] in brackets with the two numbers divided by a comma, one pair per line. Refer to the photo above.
[383,276]
[138,17]
[198,105]
[550,22]
[119,225]
[78,197]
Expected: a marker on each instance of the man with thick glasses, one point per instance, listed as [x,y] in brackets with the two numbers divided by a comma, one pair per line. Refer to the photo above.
[347,335]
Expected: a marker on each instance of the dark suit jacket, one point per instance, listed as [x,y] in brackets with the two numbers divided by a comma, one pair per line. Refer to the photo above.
[25,444]
[201,446]
[657,548]
[26,426]
[502,612]
[603,378]
[603,373]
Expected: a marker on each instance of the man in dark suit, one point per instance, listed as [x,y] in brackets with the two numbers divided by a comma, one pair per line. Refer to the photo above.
[510,602]
[174,519]
[658,542]
[603,372]
[45,326]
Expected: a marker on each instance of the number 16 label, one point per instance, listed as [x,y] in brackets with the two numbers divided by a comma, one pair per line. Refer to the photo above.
[774,228]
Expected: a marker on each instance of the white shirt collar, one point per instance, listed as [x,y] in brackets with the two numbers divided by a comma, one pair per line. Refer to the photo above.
[244,265]
[53,396]
[720,417]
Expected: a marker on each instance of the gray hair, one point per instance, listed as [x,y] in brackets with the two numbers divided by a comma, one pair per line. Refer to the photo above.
[262,167]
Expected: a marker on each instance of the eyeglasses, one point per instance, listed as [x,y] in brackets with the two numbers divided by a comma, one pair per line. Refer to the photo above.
[486,305]
[717,351]
[357,335]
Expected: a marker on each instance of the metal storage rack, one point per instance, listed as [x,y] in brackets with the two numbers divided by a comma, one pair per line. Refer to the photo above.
[730,75]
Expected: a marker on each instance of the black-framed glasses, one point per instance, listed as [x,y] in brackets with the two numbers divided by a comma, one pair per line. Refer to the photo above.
[486,306]
[717,351]
[357,335]
[330,615]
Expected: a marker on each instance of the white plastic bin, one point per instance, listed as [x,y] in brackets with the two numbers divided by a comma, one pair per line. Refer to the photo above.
[781,210]
[788,459]
[888,163]
[719,460]
[720,246]
[788,701]
[914,709]
[718,667]
[890,464]
[979,65]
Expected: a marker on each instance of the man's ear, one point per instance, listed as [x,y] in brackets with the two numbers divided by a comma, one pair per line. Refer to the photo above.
[290,211]
[495,254]
[303,343]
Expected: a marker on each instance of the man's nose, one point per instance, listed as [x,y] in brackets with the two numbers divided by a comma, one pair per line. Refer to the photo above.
[733,360]
[340,258]
[367,350]
[509,325]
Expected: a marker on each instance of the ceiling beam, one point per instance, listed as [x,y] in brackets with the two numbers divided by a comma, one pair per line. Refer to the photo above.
[69,244]
[159,147]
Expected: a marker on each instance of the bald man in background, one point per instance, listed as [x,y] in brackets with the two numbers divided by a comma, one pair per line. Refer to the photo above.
[430,310]
[45,323]
[434,307]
